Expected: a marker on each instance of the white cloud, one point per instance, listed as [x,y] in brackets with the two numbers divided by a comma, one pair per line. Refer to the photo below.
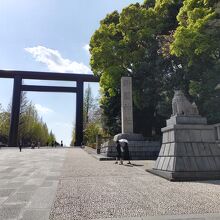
[86,48]
[43,110]
[55,62]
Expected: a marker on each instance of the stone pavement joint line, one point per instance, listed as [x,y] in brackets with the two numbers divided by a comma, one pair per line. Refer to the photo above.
[90,189]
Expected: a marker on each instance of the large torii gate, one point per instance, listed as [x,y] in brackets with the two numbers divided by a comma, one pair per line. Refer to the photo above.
[19,87]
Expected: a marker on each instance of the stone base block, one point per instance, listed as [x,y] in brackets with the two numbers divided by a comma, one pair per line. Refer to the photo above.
[186,176]
[139,150]
[189,120]
[188,152]
[188,133]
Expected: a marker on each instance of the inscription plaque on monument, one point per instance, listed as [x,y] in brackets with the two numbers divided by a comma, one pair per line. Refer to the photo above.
[126,105]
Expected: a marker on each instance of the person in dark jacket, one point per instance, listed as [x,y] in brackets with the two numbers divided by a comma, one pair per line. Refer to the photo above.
[126,155]
[20,145]
[118,156]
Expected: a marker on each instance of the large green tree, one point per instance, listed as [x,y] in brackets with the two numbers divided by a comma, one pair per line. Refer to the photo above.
[196,43]
[128,44]
[163,45]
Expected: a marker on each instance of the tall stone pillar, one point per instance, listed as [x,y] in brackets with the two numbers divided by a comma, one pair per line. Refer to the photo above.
[127,112]
[126,105]
[139,148]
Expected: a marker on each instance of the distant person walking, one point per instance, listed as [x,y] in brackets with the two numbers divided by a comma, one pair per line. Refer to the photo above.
[126,154]
[20,145]
[118,156]
[32,145]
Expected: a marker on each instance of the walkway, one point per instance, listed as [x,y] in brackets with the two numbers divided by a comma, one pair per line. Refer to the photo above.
[28,182]
[70,184]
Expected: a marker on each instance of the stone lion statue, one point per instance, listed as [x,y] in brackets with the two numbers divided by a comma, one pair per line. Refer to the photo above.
[181,106]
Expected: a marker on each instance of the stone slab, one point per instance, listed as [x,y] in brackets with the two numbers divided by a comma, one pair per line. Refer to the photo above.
[19,198]
[179,119]
[11,211]
[6,192]
[12,185]
[43,198]
[36,214]
[3,199]
[27,188]
[187,127]
[186,176]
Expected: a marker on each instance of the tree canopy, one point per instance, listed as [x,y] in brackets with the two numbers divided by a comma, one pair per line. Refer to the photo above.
[163,45]
[196,43]
[127,44]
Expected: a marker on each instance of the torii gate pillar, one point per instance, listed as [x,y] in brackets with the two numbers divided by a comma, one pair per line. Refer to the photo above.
[79,114]
[15,111]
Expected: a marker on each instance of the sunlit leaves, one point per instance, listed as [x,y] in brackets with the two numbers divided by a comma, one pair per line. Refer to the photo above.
[191,37]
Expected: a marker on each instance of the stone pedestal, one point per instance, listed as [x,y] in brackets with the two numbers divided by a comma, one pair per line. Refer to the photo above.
[139,148]
[127,112]
[189,150]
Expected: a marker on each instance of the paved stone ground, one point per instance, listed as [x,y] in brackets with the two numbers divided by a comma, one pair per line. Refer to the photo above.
[28,182]
[92,189]
[71,184]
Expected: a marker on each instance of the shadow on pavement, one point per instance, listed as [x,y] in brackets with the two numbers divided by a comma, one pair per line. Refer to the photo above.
[137,165]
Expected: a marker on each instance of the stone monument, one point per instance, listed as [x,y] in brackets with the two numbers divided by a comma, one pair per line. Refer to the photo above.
[139,147]
[189,150]
[127,112]
[126,105]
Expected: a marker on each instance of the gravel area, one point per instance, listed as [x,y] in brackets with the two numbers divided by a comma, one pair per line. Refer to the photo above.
[92,189]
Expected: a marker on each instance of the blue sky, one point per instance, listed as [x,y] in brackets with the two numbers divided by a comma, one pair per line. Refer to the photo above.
[50,35]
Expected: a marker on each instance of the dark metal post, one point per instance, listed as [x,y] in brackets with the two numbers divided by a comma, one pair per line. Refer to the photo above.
[79,114]
[15,111]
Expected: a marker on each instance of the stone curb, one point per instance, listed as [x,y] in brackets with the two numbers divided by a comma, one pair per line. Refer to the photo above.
[210,216]
[98,156]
